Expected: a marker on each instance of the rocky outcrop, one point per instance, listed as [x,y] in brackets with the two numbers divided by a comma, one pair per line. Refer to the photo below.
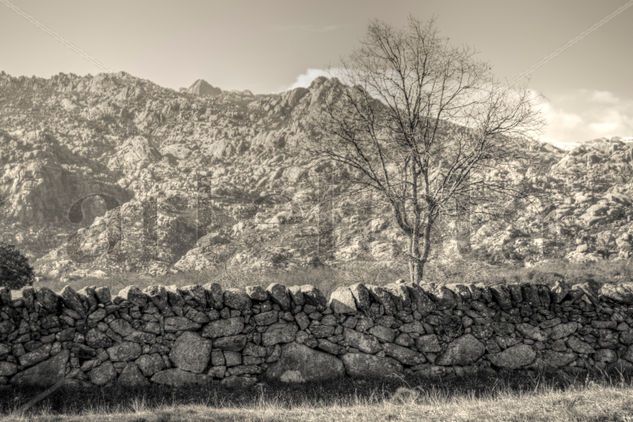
[202,334]
[111,173]
[202,87]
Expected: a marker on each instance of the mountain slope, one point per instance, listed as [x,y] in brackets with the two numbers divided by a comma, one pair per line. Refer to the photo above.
[115,173]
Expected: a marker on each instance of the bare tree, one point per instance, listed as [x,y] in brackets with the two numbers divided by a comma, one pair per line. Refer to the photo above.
[421,123]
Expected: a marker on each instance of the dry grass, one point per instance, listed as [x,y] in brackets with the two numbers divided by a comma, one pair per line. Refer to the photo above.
[592,402]
[325,278]
[328,278]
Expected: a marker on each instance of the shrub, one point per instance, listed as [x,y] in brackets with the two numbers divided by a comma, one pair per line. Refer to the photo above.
[15,270]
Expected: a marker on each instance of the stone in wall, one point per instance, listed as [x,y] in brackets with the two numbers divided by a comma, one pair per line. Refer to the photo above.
[299,363]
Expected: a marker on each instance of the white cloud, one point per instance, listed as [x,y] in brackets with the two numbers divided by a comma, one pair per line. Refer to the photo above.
[569,120]
[305,79]
[605,97]
[583,115]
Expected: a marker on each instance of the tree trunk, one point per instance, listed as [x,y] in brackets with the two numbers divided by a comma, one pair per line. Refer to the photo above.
[416,266]
[419,256]
[426,249]
[415,263]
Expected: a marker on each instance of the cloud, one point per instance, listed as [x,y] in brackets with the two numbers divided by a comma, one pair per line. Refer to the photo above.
[569,120]
[583,115]
[305,79]
[605,97]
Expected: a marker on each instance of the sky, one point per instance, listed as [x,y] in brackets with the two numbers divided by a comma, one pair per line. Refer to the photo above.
[267,46]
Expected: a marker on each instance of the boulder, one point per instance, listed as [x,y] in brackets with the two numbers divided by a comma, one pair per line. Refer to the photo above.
[266,318]
[191,352]
[174,296]
[404,355]
[279,333]
[179,323]
[363,342]
[342,301]
[280,295]
[5,295]
[559,291]
[299,363]
[383,333]
[215,295]
[531,332]
[296,295]
[47,298]
[122,327]
[44,374]
[420,299]
[361,296]
[501,295]
[150,364]
[399,294]
[134,295]
[256,293]
[195,293]
[428,344]
[158,296]
[7,369]
[103,295]
[224,327]
[445,298]
[125,351]
[462,351]
[102,374]
[516,294]
[530,295]
[621,292]
[131,376]
[237,299]
[97,315]
[579,346]
[383,297]
[72,300]
[514,357]
[313,296]
[564,330]
[230,343]
[361,365]
[413,327]
[28,296]
[98,339]
[36,356]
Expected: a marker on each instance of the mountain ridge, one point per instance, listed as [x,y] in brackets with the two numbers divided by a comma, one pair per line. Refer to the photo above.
[127,159]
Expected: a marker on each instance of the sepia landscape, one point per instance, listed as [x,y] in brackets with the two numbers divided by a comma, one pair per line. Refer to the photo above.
[404,233]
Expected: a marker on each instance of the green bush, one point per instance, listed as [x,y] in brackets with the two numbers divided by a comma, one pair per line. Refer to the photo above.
[15,270]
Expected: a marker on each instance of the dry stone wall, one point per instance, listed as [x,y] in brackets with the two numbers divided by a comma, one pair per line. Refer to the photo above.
[200,334]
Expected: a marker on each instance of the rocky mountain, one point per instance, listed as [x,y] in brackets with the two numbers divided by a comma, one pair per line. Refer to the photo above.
[114,173]
[202,87]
